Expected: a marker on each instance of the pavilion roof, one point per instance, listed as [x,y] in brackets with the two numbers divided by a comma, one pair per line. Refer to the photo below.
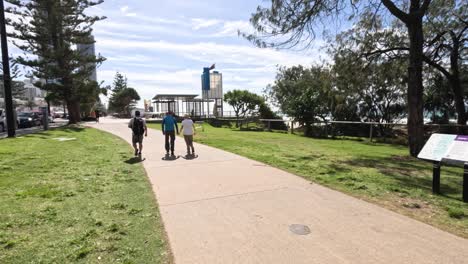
[173,97]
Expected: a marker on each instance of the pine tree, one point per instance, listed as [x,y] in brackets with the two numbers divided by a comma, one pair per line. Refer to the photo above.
[50,30]
[120,83]
[17,87]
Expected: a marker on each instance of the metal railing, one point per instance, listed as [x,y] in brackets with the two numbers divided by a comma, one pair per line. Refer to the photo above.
[226,114]
[388,126]
[372,126]
[339,128]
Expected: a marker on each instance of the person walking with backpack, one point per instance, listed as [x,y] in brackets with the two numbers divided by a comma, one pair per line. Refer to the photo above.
[138,126]
[188,129]
[169,126]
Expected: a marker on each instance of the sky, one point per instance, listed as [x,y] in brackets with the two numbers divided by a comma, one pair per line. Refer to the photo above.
[162,46]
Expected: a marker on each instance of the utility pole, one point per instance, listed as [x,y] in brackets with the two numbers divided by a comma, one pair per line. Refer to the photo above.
[11,124]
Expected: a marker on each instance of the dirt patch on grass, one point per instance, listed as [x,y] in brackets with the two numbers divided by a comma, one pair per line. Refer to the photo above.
[420,210]
[401,158]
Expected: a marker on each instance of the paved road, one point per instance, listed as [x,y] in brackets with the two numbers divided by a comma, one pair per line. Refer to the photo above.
[223,208]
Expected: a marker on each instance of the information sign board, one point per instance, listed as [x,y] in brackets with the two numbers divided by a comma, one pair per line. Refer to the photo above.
[459,149]
[451,149]
[437,147]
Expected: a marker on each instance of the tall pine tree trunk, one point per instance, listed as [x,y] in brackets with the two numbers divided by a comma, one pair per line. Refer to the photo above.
[457,88]
[73,102]
[74,116]
[413,21]
[48,106]
[459,103]
[415,87]
[64,104]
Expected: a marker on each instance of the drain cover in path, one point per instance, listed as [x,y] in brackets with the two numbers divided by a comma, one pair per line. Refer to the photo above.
[299,229]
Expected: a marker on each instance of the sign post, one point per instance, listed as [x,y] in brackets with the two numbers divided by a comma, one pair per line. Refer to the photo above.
[449,148]
[436,177]
[465,182]
[45,117]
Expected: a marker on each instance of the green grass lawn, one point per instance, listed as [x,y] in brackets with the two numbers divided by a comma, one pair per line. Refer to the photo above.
[380,173]
[79,201]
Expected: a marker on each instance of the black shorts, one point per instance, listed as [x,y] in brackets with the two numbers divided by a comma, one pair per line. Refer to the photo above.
[137,139]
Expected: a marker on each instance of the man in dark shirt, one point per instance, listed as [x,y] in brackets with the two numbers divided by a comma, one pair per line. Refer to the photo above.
[138,126]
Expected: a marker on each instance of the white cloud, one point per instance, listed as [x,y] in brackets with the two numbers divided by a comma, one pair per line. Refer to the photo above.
[108,32]
[180,78]
[160,20]
[145,30]
[230,28]
[131,58]
[199,23]
[124,9]
[213,52]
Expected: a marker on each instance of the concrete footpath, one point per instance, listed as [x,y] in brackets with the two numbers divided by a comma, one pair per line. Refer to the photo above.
[223,208]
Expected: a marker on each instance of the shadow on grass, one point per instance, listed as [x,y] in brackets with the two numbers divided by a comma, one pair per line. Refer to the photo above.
[44,134]
[335,169]
[72,128]
[409,173]
[36,134]
[248,130]
[134,160]
[261,130]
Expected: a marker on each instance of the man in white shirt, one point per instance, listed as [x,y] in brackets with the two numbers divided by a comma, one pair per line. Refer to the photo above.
[188,128]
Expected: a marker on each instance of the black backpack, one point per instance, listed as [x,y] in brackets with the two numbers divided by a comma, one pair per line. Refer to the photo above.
[138,128]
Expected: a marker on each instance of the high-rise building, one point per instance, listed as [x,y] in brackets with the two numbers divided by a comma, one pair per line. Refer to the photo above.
[31,92]
[89,50]
[214,90]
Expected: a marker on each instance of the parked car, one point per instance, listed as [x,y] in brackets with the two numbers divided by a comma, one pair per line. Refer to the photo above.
[29,119]
[3,122]
[59,114]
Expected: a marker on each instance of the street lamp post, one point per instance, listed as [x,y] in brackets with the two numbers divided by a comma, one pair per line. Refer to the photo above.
[6,75]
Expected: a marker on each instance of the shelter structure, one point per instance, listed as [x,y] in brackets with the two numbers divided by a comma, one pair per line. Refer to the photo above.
[181,104]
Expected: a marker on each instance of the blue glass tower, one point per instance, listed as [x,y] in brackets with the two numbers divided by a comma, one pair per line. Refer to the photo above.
[206,79]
